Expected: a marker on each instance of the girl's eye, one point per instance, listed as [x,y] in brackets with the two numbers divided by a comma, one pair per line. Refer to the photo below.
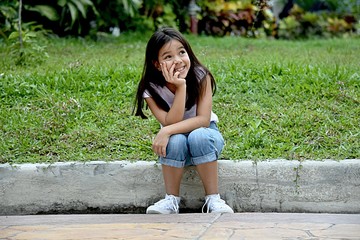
[167,57]
[182,52]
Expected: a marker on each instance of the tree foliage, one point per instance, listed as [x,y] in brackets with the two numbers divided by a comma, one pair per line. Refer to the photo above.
[250,18]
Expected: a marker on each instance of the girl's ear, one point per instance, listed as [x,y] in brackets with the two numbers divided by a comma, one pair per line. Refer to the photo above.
[157,65]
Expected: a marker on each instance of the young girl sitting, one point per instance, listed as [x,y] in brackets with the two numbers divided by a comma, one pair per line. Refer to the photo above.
[178,89]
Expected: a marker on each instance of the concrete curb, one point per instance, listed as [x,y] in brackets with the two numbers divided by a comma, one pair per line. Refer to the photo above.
[129,187]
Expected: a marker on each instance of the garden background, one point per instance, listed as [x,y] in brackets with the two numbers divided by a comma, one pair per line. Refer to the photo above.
[288,77]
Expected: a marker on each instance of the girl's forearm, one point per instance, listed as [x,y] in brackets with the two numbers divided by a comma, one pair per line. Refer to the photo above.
[187,125]
[177,110]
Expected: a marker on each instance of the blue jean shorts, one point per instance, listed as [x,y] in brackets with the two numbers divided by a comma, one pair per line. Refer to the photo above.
[202,145]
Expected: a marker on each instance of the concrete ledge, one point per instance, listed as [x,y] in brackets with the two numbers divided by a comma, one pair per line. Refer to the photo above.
[129,187]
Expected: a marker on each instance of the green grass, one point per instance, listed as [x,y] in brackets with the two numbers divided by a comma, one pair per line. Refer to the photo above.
[275,99]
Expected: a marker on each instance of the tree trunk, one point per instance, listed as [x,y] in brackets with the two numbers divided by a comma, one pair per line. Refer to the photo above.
[20,30]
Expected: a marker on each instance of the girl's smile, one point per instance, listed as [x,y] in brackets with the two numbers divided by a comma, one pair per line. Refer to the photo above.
[172,53]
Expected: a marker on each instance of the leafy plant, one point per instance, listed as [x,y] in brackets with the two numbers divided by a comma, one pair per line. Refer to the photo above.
[306,4]
[345,7]
[161,12]
[112,14]
[8,15]
[22,39]
[338,26]
[255,135]
[137,15]
[239,18]
[167,18]
[131,6]
[44,10]
[27,52]
[305,24]
[77,9]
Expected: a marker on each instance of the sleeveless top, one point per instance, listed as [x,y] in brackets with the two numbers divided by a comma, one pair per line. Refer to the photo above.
[169,96]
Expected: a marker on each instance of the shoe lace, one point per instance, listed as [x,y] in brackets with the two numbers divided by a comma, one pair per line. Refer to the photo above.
[211,203]
[172,199]
[207,203]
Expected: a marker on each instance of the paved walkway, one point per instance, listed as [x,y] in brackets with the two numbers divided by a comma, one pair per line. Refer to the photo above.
[183,226]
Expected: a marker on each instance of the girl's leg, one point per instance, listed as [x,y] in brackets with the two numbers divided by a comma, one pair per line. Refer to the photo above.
[208,173]
[206,145]
[174,162]
[170,204]
[172,179]
[172,168]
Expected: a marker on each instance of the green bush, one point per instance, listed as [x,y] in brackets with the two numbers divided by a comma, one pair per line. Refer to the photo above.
[249,18]
[8,15]
[239,18]
[254,18]
[23,40]
[304,24]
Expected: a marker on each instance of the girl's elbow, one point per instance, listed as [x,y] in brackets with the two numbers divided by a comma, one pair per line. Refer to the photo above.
[205,122]
[206,125]
[171,121]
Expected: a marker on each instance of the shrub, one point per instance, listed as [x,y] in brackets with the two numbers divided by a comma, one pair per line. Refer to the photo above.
[239,18]
[23,40]
[304,24]
[248,18]
[307,18]
[8,14]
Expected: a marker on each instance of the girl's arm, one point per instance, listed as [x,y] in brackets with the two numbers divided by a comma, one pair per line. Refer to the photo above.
[202,119]
[203,113]
[176,111]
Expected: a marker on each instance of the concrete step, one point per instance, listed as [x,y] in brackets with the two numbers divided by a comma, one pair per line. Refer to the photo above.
[129,187]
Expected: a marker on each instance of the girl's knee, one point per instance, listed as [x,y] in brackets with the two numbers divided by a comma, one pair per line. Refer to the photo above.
[204,141]
[177,145]
[199,136]
[177,140]
[176,151]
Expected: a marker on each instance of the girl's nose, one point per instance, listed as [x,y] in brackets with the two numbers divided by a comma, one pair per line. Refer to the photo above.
[177,60]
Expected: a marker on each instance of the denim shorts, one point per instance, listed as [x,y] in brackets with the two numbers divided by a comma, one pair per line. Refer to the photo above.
[202,145]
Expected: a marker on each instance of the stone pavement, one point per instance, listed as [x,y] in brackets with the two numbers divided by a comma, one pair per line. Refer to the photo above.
[182,226]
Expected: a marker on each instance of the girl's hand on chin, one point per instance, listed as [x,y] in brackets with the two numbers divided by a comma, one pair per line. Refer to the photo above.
[171,76]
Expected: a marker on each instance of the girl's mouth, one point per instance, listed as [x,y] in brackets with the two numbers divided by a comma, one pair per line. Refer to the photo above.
[180,69]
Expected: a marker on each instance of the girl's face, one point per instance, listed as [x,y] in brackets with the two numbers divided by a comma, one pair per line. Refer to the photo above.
[174,53]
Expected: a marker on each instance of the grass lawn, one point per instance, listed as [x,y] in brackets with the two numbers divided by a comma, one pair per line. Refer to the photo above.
[275,99]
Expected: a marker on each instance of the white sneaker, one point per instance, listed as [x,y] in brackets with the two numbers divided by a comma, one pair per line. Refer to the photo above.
[169,205]
[216,205]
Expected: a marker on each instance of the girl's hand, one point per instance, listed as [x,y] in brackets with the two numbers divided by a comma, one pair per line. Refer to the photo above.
[160,142]
[171,76]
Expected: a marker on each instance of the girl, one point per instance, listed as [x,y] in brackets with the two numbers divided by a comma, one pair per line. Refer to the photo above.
[178,90]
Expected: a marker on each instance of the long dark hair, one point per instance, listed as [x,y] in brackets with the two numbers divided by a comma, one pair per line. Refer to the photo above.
[195,79]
